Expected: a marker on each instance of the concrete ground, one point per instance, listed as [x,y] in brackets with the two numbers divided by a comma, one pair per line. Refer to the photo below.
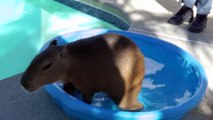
[149,17]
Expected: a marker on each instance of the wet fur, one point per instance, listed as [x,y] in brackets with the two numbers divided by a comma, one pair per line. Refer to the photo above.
[105,63]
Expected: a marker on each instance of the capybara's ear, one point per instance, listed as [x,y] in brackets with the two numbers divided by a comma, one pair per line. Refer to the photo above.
[53,43]
[63,53]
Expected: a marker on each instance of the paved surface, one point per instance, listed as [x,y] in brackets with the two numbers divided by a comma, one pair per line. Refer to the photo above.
[149,17]
[17,104]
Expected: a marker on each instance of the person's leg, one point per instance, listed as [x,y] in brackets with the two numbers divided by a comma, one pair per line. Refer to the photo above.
[184,14]
[189,3]
[203,9]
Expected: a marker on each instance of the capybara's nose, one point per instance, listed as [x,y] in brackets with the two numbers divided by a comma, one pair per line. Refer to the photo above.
[28,87]
[24,81]
[24,84]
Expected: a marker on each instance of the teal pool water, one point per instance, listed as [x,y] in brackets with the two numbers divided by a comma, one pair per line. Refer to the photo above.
[25,25]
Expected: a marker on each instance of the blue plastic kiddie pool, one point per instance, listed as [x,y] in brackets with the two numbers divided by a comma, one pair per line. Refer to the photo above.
[174,83]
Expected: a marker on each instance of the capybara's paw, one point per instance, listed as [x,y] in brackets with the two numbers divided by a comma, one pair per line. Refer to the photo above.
[132,107]
[136,107]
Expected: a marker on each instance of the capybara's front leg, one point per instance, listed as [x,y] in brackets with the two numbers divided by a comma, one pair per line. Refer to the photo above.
[87,97]
[69,88]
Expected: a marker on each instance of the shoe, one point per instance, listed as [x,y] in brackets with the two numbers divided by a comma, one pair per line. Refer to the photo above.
[199,24]
[185,14]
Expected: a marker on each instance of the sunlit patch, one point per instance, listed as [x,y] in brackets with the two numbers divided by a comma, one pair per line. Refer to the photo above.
[8,13]
[148,84]
[186,96]
[137,16]
[73,21]
[75,36]
[151,66]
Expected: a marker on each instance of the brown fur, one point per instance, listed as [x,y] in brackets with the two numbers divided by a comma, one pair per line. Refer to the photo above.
[105,63]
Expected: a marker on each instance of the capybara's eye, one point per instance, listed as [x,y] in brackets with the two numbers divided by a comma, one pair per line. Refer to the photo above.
[47,66]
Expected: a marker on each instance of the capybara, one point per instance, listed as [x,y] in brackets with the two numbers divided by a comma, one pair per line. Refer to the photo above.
[109,63]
